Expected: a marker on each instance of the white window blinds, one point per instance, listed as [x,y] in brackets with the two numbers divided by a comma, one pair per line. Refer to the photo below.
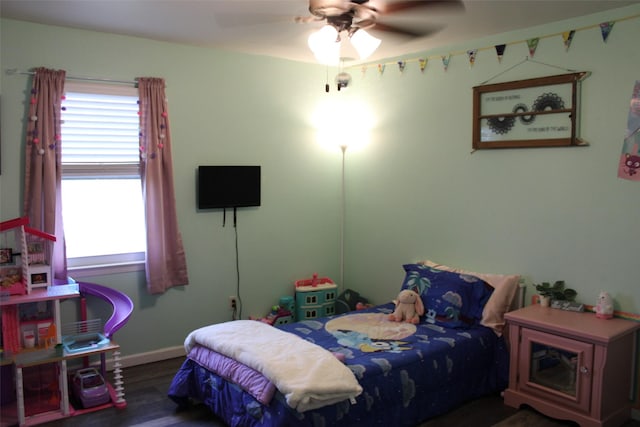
[100,131]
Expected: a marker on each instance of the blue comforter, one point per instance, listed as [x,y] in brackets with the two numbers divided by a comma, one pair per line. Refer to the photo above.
[408,372]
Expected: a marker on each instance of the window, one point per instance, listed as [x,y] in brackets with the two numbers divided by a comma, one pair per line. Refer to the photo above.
[102,203]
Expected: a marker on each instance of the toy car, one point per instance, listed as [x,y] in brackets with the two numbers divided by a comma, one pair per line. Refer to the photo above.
[89,388]
[277,316]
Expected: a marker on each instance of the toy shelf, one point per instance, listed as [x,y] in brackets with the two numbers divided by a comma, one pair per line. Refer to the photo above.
[46,363]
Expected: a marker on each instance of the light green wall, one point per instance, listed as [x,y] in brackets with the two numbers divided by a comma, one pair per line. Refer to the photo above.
[414,192]
[224,108]
[417,192]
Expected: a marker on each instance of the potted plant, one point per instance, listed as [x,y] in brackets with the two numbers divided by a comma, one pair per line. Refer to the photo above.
[555,291]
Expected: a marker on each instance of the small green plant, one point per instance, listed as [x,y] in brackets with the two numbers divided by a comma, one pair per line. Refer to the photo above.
[556,291]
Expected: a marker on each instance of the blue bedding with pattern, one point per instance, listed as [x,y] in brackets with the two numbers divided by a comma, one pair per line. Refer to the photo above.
[408,372]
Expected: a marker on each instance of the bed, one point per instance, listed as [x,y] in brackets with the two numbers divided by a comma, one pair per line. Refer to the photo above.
[358,368]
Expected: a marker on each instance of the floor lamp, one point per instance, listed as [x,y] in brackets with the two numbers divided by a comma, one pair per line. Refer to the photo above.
[343,203]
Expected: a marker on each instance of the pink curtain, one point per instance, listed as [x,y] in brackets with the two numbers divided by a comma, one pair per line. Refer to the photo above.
[43,170]
[166,264]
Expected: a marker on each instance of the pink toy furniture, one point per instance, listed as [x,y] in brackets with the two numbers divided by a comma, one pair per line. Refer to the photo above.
[29,397]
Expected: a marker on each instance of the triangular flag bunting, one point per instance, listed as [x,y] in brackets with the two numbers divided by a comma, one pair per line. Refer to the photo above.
[381,68]
[605,29]
[423,64]
[533,45]
[445,61]
[567,36]
[472,56]
[500,51]
[401,65]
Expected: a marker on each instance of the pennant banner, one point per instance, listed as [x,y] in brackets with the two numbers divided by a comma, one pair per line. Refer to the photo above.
[472,56]
[445,61]
[605,29]
[629,165]
[500,51]
[532,44]
[423,64]
[567,36]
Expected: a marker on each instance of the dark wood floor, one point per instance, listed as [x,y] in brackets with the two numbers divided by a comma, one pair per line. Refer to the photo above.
[148,406]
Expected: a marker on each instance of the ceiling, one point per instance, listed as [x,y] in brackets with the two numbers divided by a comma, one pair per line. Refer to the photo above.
[267,27]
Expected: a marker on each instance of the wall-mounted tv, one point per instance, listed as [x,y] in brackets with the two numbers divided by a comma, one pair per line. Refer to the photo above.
[228,187]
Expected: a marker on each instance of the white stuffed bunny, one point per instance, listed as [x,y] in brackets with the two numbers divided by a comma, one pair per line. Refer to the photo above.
[409,307]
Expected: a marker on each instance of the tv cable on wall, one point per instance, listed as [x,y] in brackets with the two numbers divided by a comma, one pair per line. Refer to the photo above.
[222,187]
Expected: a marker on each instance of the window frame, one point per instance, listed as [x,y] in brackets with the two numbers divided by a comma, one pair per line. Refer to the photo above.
[109,263]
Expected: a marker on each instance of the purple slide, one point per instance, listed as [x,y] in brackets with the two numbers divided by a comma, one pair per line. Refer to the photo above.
[122,305]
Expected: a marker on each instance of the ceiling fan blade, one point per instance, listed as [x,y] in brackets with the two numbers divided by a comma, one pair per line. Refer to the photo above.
[401,6]
[408,32]
[247,19]
[306,19]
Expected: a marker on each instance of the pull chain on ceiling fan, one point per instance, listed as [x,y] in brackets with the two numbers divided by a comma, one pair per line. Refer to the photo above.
[355,17]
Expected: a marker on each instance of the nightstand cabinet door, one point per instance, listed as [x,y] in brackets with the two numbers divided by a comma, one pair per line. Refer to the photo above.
[556,367]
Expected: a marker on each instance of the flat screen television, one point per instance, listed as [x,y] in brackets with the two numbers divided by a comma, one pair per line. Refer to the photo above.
[228,187]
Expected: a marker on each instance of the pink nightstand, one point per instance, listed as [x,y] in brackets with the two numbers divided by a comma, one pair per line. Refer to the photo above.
[571,365]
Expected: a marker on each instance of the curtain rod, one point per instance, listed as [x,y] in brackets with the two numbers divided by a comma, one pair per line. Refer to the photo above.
[13,71]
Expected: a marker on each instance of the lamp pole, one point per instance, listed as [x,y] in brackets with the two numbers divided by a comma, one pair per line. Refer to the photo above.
[343,204]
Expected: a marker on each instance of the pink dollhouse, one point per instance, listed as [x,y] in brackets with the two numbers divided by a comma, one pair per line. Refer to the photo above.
[26,257]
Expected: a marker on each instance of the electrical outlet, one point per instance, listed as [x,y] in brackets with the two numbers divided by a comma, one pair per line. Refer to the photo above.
[233,302]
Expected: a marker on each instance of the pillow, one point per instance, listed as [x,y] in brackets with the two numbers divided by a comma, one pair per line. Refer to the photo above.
[452,300]
[505,288]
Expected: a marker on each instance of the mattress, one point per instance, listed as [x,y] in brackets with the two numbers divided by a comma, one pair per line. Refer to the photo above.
[408,373]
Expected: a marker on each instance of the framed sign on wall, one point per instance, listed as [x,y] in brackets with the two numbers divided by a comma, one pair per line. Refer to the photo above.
[540,112]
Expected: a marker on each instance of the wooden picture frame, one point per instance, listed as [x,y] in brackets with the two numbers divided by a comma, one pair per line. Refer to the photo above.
[539,112]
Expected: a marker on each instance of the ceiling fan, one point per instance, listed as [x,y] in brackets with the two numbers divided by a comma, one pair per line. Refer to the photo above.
[356,16]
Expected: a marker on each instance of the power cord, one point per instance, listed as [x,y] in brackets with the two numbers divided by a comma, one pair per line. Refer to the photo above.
[237,307]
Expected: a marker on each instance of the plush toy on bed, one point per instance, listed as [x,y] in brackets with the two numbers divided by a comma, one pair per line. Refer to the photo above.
[409,307]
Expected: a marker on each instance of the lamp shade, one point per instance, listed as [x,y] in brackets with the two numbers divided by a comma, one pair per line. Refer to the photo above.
[325,45]
[364,43]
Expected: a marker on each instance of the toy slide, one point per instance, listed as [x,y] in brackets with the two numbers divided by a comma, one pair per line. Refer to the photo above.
[122,309]
[121,303]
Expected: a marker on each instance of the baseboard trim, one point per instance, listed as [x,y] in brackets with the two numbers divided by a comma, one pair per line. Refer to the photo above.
[148,357]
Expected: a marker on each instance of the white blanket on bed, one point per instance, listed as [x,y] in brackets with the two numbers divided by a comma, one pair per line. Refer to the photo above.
[306,374]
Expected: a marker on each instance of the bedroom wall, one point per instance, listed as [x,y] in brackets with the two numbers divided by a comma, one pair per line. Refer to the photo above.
[417,191]
[413,192]
[224,108]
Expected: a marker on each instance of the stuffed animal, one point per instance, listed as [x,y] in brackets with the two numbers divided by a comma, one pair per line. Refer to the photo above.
[604,307]
[409,307]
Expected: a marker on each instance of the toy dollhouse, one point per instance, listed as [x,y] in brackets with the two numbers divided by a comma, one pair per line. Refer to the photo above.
[26,257]
[315,297]
[34,378]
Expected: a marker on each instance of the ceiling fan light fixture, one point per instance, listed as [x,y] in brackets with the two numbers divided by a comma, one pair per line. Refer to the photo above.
[325,45]
[364,43]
